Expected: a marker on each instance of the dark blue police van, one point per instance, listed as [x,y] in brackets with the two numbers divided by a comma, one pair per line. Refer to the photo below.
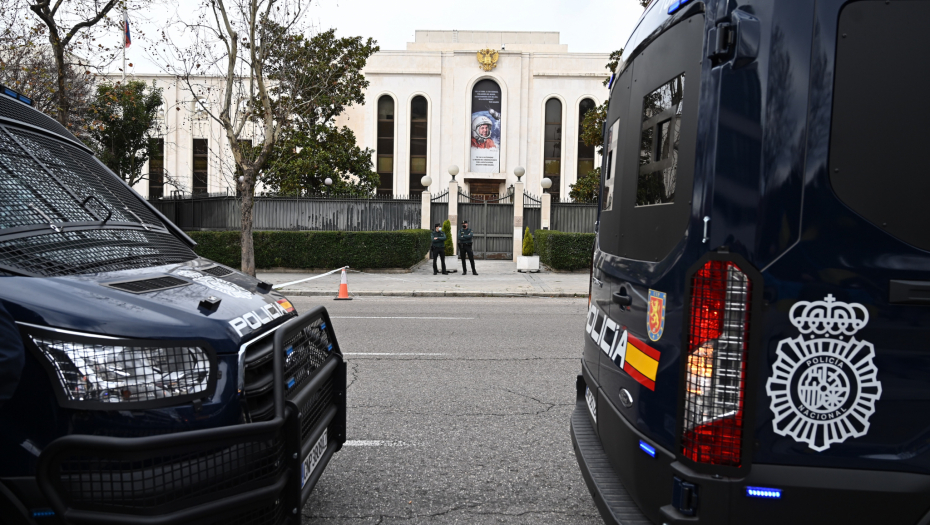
[757,346]
[158,386]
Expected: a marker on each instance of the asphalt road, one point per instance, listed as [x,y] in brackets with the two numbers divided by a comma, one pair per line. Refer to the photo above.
[476,434]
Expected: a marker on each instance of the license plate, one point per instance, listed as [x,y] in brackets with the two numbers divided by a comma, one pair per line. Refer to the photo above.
[312,459]
[592,402]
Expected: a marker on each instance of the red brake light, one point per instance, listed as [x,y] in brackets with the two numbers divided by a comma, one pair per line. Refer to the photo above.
[716,367]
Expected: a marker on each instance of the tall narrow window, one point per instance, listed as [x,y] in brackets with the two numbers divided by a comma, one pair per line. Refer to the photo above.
[552,149]
[585,153]
[200,162]
[156,168]
[385,166]
[418,125]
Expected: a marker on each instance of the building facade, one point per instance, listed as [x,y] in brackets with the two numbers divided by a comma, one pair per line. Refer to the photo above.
[486,102]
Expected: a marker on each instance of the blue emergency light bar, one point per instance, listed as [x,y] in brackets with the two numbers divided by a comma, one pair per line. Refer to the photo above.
[763,492]
[676,5]
[647,448]
[18,96]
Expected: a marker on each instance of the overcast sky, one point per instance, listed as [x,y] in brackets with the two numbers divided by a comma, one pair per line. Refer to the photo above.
[585,25]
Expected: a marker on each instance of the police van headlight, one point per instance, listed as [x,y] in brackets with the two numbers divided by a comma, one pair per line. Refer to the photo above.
[111,372]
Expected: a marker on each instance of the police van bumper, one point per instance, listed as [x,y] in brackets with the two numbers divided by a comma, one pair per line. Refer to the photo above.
[255,472]
[632,486]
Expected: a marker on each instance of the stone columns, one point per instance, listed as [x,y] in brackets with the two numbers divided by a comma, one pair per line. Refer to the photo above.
[517,219]
[425,199]
[545,212]
[454,213]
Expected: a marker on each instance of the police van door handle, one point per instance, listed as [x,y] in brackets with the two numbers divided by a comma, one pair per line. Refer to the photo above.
[622,299]
[706,223]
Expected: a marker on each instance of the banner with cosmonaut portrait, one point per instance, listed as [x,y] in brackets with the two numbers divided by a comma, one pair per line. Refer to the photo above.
[486,127]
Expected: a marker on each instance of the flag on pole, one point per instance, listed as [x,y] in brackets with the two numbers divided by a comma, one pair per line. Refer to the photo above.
[128,41]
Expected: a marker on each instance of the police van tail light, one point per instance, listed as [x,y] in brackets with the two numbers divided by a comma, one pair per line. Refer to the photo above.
[715,373]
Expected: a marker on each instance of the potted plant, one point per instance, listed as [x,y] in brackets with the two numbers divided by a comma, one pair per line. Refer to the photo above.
[528,262]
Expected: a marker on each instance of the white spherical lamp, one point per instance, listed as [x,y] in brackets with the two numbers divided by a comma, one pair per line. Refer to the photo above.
[453,170]
[519,172]
[546,183]
[328,181]
[426,181]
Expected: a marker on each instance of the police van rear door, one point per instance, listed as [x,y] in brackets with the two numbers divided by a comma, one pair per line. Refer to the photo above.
[646,209]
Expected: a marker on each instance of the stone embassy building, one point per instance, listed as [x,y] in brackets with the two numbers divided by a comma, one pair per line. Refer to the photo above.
[486,102]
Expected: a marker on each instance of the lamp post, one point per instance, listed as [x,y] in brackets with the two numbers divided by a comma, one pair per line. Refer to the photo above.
[546,183]
[453,170]
[426,181]
[519,172]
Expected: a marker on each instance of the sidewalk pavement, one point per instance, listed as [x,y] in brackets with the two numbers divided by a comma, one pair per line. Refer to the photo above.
[494,279]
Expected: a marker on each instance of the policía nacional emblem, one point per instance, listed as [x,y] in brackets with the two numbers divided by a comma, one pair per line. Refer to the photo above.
[823,388]
[655,317]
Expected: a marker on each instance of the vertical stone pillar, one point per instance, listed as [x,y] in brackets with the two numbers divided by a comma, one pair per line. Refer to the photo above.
[454,213]
[517,220]
[545,211]
[425,200]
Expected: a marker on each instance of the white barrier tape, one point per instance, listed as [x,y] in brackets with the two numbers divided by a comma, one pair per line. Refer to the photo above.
[277,286]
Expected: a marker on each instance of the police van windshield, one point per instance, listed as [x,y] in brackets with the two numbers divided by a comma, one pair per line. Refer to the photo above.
[62,212]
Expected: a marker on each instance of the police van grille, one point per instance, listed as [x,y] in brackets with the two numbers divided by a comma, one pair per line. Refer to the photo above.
[312,411]
[305,352]
[148,285]
[217,271]
[156,479]
[91,251]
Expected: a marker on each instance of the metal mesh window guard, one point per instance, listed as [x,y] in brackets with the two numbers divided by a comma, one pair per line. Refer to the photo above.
[124,374]
[718,332]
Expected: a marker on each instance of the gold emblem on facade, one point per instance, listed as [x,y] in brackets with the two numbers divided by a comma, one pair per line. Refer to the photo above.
[487,58]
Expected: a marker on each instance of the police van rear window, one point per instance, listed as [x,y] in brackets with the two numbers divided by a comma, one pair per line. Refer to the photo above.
[879,128]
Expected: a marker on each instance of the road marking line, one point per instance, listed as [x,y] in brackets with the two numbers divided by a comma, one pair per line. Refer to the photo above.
[375,317]
[375,443]
[385,353]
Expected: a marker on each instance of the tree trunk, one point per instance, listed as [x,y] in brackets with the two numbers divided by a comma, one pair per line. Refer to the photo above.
[247,205]
[64,104]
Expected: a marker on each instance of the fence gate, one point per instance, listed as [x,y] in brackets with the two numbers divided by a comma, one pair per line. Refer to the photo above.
[492,222]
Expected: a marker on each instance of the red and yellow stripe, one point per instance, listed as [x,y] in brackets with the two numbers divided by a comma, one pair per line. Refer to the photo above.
[642,362]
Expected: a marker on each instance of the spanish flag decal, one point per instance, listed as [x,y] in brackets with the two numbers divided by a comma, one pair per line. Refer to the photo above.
[638,359]
[284,303]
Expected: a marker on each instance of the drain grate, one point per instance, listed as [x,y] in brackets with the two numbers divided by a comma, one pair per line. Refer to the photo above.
[148,285]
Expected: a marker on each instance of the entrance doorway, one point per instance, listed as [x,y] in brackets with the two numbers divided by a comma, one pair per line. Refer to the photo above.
[484,190]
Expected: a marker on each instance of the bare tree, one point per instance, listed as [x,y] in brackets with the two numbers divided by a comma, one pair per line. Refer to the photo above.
[70,26]
[227,64]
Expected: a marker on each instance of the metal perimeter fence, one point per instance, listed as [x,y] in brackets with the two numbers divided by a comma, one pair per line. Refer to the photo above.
[330,213]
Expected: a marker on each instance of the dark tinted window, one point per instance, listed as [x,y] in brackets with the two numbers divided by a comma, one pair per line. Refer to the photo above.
[658,154]
[156,168]
[552,145]
[385,165]
[201,165]
[878,138]
[418,140]
[585,153]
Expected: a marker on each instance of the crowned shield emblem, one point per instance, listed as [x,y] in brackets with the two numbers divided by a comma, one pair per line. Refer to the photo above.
[824,384]
[656,315]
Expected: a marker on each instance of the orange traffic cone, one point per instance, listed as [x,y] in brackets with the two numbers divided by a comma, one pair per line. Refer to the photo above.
[344,288]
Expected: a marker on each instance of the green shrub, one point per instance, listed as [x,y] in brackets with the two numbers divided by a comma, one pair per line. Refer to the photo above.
[528,247]
[447,229]
[563,250]
[317,250]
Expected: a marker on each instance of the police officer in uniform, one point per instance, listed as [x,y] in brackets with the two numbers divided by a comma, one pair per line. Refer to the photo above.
[438,249]
[465,240]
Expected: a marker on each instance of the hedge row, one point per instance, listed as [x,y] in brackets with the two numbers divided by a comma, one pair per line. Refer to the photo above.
[564,251]
[320,250]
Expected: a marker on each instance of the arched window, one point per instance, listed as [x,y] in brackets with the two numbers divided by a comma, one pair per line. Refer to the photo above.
[552,148]
[418,125]
[585,153]
[385,167]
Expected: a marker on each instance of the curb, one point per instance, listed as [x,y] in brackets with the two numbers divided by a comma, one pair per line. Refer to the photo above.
[431,293]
